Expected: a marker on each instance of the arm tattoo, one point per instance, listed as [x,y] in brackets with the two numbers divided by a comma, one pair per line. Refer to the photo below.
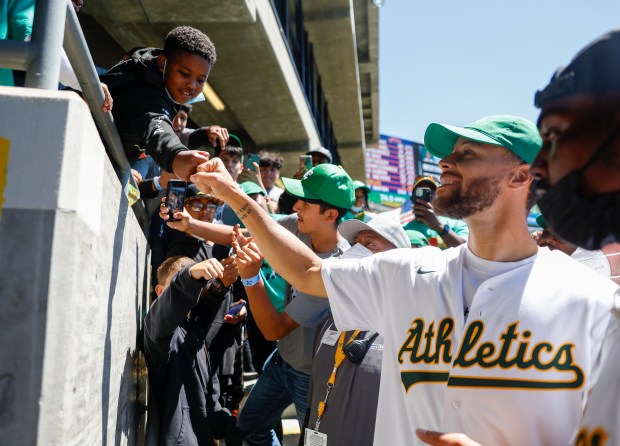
[244,211]
[245,214]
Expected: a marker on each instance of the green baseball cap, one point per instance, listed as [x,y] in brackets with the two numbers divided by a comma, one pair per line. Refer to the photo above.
[249,187]
[416,238]
[325,182]
[357,184]
[518,135]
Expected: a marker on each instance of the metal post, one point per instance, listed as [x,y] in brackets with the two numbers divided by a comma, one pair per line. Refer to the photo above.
[84,68]
[47,34]
[15,55]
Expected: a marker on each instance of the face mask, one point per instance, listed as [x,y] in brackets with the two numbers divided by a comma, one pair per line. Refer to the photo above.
[356,209]
[586,222]
[199,98]
[595,260]
[357,251]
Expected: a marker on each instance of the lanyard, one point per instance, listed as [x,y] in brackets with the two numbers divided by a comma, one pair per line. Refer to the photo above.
[338,358]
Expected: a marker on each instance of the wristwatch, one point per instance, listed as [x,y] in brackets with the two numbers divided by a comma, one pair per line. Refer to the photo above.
[218,286]
[445,230]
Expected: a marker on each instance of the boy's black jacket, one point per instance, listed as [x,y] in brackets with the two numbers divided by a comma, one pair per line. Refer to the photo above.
[143,111]
[184,387]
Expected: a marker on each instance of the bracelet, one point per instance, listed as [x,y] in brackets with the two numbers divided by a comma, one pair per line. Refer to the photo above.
[156,184]
[251,281]
[445,230]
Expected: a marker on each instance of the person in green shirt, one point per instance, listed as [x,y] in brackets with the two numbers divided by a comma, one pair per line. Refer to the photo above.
[440,231]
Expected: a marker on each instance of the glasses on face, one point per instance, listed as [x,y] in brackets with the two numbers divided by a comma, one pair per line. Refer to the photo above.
[197,207]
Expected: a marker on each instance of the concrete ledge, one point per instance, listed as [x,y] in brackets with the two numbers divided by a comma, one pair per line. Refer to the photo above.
[74,280]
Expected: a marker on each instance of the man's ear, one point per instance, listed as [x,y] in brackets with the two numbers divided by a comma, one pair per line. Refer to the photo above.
[521,177]
[159,289]
[331,215]
[161,61]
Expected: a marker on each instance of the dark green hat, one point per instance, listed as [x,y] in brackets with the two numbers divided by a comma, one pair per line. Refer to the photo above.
[357,184]
[518,135]
[540,221]
[325,182]
[234,140]
[249,187]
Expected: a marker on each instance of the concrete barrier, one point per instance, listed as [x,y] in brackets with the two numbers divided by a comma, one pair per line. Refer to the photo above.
[73,279]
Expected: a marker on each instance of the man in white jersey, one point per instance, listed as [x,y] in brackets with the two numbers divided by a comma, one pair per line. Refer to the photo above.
[494,338]
[578,170]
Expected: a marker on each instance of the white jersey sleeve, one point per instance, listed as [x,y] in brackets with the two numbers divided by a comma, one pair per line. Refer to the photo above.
[359,289]
[600,424]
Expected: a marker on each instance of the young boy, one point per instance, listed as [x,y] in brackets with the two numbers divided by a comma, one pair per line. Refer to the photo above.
[148,89]
[185,389]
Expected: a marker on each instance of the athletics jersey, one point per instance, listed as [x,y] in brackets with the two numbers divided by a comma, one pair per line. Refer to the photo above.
[512,373]
[600,425]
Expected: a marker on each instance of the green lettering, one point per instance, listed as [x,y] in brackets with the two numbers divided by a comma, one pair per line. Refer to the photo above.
[472,335]
[412,344]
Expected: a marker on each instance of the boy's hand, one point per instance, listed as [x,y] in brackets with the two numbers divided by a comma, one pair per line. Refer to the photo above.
[441,439]
[249,259]
[216,133]
[136,176]
[208,269]
[185,163]
[184,219]
[237,239]
[231,272]
[165,177]
[234,320]
[251,175]
[213,178]
[107,99]
[425,213]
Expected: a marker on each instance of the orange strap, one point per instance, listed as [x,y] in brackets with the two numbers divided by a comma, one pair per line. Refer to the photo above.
[338,358]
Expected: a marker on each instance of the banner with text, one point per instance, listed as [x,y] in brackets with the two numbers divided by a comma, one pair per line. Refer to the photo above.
[392,166]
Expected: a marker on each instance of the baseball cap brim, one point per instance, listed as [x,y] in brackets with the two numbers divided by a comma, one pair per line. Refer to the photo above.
[249,187]
[439,139]
[425,179]
[357,184]
[388,229]
[295,188]
[349,229]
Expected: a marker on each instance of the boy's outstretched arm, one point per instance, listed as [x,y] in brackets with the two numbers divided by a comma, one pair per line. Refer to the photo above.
[183,293]
[272,324]
[285,253]
[167,149]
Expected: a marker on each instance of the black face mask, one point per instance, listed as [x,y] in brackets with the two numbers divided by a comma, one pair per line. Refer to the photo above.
[586,222]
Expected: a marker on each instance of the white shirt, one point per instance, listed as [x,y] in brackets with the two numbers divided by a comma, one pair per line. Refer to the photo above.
[601,421]
[552,307]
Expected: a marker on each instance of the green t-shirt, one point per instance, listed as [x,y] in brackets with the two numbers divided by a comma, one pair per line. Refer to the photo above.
[275,286]
[459,227]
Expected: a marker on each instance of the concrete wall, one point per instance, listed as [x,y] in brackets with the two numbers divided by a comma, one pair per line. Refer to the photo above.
[74,268]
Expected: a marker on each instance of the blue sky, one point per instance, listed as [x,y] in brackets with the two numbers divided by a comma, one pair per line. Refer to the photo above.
[457,61]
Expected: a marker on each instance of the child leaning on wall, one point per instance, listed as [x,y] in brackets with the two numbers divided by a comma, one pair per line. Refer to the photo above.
[148,89]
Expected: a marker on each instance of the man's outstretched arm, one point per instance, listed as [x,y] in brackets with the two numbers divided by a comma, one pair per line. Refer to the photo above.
[285,253]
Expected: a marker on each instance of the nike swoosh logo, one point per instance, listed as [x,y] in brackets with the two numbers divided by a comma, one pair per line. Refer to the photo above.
[420,271]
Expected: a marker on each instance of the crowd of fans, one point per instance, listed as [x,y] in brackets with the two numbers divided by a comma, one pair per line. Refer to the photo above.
[486,333]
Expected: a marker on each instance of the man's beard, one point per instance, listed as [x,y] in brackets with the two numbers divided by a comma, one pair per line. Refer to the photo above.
[480,195]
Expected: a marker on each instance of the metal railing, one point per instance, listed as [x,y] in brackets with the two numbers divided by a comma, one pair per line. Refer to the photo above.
[40,58]
[300,49]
